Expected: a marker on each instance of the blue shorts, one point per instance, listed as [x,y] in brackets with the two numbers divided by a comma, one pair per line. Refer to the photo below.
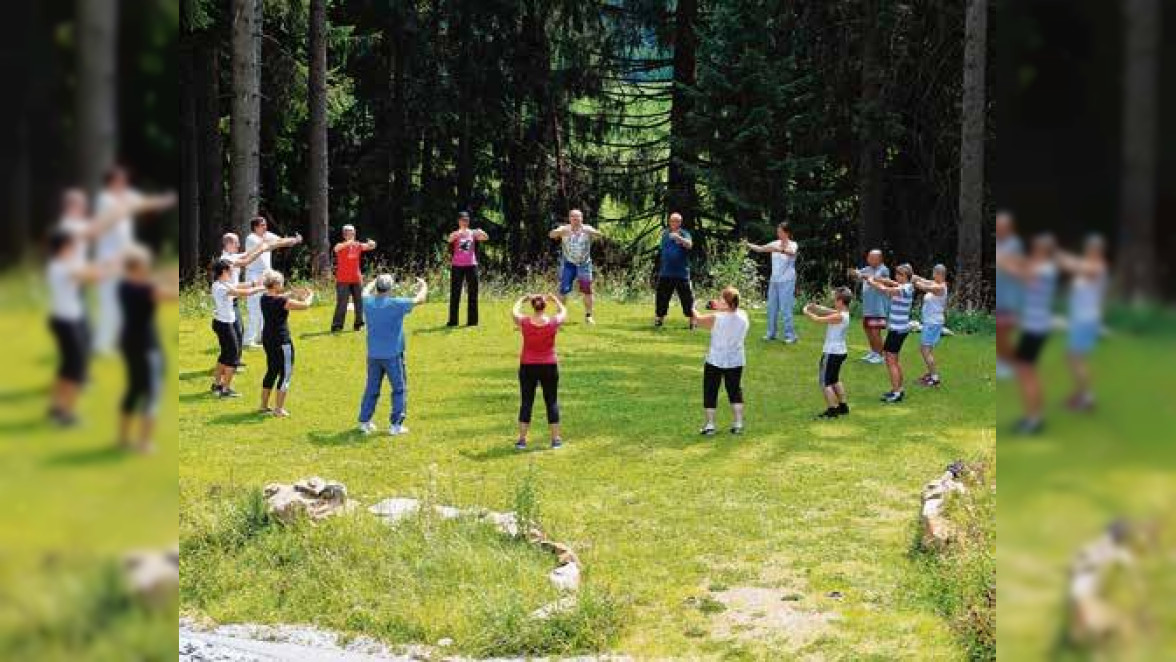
[931,335]
[1083,337]
[570,273]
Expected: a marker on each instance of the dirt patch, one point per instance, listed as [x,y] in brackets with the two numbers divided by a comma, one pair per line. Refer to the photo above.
[758,613]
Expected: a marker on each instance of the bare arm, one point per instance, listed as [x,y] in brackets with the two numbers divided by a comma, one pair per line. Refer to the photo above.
[683,241]
[369,245]
[558,233]
[343,244]
[561,312]
[592,232]
[300,303]
[422,292]
[287,242]
[705,320]
[481,235]
[516,312]
[789,249]
[155,203]
[245,291]
[927,285]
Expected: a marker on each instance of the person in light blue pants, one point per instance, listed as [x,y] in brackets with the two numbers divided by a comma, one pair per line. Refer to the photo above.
[385,315]
[782,285]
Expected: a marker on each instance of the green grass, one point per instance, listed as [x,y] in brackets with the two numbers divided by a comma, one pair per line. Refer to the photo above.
[73,505]
[657,515]
[1059,491]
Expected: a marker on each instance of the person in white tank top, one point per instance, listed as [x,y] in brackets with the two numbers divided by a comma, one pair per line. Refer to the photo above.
[724,359]
[934,291]
[834,352]
[1089,274]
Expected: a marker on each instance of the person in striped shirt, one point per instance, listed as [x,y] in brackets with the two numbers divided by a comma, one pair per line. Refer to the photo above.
[934,312]
[1038,274]
[902,296]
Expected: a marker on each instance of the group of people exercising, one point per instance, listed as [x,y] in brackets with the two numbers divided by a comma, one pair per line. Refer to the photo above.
[539,318]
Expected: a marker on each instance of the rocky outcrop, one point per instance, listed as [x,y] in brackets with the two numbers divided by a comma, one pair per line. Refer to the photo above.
[1093,618]
[937,530]
[313,498]
[153,576]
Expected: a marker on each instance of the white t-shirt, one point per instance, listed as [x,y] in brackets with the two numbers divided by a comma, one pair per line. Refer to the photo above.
[835,336]
[77,228]
[222,302]
[234,272]
[1086,298]
[727,339]
[65,290]
[934,306]
[263,261]
[122,234]
[783,264]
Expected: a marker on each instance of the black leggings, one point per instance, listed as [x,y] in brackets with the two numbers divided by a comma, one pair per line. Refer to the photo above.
[468,276]
[666,287]
[144,380]
[732,378]
[531,376]
[230,343]
[279,366]
[73,347]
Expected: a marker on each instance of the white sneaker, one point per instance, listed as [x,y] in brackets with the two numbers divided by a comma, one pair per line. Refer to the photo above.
[1003,371]
[367,428]
[875,359]
[868,356]
[397,430]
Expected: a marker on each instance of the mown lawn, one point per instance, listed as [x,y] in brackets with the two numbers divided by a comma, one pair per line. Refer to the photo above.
[1058,492]
[658,515]
[73,505]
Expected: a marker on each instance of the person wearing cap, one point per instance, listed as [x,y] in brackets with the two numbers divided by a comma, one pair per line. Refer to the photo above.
[463,269]
[348,278]
[385,350]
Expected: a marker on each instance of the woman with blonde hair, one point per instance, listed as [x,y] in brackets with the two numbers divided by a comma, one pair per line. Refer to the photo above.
[725,358]
[275,338]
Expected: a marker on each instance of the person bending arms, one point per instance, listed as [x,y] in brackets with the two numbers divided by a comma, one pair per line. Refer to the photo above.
[1009,292]
[275,337]
[463,268]
[875,305]
[835,350]
[139,295]
[231,253]
[902,297]
[1089,274]
[259,234]
[1039,275]
[934,317]
[538,365]
[385,351]
[348,278]
[724,359]
[782,285]
[576,258]
[674,272]
[223,319]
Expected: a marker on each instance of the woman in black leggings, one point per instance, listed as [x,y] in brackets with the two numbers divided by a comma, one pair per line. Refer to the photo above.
[275,338]
[139,295]
[539,365]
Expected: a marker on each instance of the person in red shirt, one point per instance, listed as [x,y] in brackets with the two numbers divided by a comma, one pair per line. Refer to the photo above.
[538,365]
[349,278]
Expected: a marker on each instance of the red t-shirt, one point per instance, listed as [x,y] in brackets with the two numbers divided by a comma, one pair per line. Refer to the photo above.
[539,342]
[347,269]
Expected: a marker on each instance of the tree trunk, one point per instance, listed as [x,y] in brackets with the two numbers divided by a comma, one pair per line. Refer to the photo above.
[317,197]
[189,150]
[970,231]
[210,157]
[1137,267]
[681,194]
[870,219]
[96,102]
[245,161]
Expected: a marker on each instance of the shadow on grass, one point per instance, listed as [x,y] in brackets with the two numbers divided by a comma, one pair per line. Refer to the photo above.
[238,418]
[9,397]
[500,452]
[319,334]
[195,374]
[88,457]
[21,427]
[198,395]
[441,328]
[340,438]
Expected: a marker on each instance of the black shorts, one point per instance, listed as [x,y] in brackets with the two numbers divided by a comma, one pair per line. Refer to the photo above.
[830,369]
[230,343]
[894,341]
[1029,347]
[73,348]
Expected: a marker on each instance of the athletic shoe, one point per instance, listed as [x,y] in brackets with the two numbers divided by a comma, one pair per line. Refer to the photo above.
[367,428]
[736,429]
[657,324]
[933,382]
[790,341]
[707,430]
[867,356]
[842,409]
[589,321]
[1026,426]
[829,413]
[281,413]
[215,388]
[556,444]
[769,338]
[876,359]
[520,445]
[397,430]
[893,397]
[1003,371]
[228,393]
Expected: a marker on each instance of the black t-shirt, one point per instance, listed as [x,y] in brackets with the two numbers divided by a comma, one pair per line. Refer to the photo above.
[276,329]
[138,308]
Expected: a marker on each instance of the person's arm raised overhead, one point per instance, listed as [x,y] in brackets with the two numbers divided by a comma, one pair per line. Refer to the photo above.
[561,311]
[516,312]
[422,292]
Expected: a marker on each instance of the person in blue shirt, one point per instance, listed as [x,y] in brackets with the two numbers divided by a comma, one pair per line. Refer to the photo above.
[385,315]
[674,274]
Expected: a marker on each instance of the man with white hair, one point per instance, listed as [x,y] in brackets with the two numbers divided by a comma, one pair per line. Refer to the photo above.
[349,278]
[875,305]
[385,350]
[576,258]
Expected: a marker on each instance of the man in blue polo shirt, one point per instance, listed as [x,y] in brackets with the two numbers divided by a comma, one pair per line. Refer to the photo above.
[385,350]
[674,274]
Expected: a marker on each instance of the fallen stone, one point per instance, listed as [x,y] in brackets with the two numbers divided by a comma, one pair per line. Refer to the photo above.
[153,576]
[506,523]
[566,577]
[396,509]
[314,498]
[1092,618]
[563,605]
[445,642]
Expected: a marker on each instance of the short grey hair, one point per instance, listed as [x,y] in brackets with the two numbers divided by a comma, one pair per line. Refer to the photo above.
[271,279]
[349,227]
[384,283]
[939,269]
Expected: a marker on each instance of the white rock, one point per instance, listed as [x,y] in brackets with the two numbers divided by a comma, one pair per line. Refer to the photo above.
[506,523]
[444,643]
[396,509]
[561,606]
[447,512]
[566,577]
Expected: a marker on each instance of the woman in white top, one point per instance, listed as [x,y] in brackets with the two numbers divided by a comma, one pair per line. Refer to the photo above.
[835,350]
[65,275]
[934,317]
[725,359]
[1088,286]
[224,316]
[782,284]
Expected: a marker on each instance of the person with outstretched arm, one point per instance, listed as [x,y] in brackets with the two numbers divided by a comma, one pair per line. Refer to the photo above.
[224,318]
[875,305]
[934,291]
[538,365]
[385,351]
[782,284]
[575,239]
[463,268]
[1089,274]
[349,278]
[902,297]
[1038,275]
[259,234]
[140,294]
[724,359]
[276,305]
[231,253]
[834,352]
[674,271]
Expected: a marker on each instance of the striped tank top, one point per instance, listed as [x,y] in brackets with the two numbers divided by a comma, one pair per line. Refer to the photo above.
[1037,311]
[900,309]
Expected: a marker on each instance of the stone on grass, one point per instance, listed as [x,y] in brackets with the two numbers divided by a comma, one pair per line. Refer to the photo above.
[396,509]
[937,529]
[566,577]
[153,576]
[313,497]
[563,605]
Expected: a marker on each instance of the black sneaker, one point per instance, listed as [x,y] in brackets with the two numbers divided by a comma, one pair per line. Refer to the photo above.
[556,444]
[520,445]
[737,429]
[893,398]
[657,324]
[215,388]
[707,431]
[829,413]
[228,393]
[842,409]
[359,327]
